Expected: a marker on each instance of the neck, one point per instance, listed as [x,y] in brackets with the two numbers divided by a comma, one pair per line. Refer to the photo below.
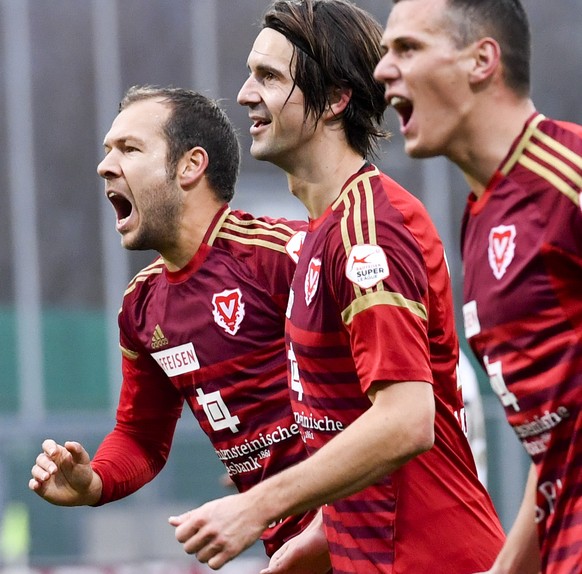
[197,216]
[487,141]
[318,181]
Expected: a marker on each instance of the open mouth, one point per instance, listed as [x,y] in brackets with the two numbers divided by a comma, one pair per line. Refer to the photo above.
[259,122]
[403,107]
[123,207]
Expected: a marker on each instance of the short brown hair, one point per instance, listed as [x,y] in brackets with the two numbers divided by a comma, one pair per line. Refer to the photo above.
[196,120]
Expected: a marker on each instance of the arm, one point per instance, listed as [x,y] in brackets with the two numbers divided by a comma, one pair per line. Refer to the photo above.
[397,427]
[138,447]
[65,475]
[520,553]
[129,457]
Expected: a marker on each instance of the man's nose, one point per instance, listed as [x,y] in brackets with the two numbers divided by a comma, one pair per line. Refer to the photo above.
[247,93]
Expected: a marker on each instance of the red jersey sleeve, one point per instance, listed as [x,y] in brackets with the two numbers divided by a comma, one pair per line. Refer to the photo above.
[387,320]
[138,447]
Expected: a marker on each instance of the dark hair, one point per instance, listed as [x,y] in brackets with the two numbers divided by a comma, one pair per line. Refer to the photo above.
[336,44]
[196,120]
[503,20]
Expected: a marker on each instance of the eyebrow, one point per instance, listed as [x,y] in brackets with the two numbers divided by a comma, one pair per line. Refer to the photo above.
[122,141]
[261,67]
[267,68]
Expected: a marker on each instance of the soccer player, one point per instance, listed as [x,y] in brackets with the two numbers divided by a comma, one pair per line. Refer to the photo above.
[370,337]
[203,324]
[458,74]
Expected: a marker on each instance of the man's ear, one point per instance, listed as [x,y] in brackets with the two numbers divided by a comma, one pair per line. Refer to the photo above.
[192,167]
[339,99]
[486,60]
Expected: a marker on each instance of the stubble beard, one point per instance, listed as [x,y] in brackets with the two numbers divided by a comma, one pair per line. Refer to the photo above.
[160,216]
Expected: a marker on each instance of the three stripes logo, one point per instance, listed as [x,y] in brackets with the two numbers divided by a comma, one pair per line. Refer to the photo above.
[158,338]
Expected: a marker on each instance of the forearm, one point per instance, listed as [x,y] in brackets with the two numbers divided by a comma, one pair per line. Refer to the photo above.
[137,448]
[125,464]
[396,428]
[520,553]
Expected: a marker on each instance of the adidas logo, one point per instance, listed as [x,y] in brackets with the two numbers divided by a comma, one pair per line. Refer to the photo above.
[158,338]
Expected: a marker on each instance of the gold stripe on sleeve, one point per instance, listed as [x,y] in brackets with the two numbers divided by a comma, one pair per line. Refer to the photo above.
[560,149]
[346,235]
[383,298]
[360,186]
[505,169]
[143,275]
[246,241]
[357,217]
[344,225]
[568,172]
[131,355]
[218,226]
[551,178]
[370,212]
[254,231]
[268,226]
[273,236]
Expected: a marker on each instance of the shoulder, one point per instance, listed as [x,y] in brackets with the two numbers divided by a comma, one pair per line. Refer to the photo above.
[245,224]
[549,159]
[570,127]
[374,197]
[243,233]
[380,229]
[562,140]
[378,210]
[543,166]
[145,278]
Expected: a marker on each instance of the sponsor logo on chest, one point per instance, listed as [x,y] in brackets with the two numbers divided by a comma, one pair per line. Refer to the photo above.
[217,412]
[177,360]
[501,248]
[228,310]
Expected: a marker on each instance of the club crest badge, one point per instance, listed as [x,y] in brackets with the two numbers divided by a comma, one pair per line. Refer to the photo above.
[228,310]
[501,248]
[312,279]
[367,265]
[294,245]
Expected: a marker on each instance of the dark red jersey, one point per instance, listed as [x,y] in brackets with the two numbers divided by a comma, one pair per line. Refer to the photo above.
[522,252]
[212,335]
[371,301]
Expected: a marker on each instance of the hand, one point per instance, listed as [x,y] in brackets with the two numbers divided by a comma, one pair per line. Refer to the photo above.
[219,530]
[306,553]
[63,475]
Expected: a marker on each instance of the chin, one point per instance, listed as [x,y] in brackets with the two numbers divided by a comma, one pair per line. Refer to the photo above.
[260,154]
[133,243]
[417,151]
[128,244]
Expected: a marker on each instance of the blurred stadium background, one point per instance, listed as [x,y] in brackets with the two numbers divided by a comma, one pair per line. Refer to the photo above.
[64,65]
